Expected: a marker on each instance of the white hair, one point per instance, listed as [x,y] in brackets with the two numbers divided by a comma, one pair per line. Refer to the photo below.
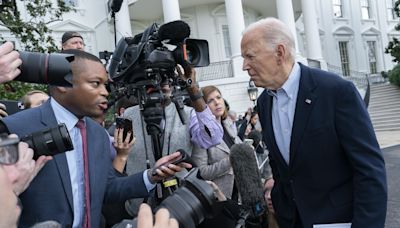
[275,32]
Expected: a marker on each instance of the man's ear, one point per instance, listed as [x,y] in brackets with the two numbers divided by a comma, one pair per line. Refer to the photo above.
[61,89]
[280,53]
[280,50]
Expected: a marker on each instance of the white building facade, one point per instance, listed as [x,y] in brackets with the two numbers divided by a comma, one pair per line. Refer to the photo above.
[347,35]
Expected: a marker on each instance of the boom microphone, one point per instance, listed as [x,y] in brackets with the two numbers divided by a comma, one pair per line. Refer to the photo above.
[175,31]
[248,183]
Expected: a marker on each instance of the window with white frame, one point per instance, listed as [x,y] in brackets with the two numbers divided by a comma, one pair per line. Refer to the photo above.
[365,9]
[372,57]
[227,41]
[337,8]
[344,58]
[391,14]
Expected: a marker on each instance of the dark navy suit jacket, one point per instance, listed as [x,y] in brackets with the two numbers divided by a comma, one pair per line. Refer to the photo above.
[336,171]
[49,196]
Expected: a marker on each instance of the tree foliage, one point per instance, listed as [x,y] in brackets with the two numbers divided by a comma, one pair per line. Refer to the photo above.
[393,47]
[394,75]
[28,21]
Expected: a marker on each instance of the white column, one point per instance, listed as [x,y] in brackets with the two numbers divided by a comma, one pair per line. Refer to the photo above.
[234,14]
[286,14]
[311,30]
[123,22]
[171,10]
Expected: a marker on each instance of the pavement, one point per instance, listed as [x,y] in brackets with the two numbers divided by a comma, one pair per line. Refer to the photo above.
[389,142]
[388,138]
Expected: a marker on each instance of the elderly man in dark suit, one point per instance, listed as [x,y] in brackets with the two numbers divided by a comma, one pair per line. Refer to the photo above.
[324,155]
[71,188]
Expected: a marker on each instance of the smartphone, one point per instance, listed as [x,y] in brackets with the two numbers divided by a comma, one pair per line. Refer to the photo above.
[126,124]
[12,106]
[184,157]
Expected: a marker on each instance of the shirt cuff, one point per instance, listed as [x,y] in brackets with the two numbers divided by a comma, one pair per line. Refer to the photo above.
[147,183]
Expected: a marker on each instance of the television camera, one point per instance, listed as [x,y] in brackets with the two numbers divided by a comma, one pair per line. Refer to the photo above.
[142,65]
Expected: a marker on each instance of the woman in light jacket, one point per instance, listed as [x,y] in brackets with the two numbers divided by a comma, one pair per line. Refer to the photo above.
[213,163]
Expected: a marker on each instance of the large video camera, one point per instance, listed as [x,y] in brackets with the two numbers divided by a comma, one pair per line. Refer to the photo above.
[154,54]
[143,64]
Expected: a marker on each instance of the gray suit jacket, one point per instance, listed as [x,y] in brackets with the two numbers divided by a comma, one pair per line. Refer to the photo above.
[214,163]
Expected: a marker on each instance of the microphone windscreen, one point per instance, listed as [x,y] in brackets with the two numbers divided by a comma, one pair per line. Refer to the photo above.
[247,178]
[175,31]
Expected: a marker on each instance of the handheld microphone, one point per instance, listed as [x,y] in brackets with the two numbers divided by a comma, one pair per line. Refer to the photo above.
[248,183]
[175,31]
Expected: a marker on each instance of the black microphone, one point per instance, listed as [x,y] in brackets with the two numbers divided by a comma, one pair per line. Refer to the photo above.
[175,31]
[248,183]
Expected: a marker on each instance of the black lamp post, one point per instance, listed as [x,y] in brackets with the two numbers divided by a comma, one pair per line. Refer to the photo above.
[252,91]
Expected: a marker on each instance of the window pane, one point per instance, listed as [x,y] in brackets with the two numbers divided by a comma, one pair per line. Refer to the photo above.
[227,42]
[337,8]
[344,58]
[365,13]
[372,56]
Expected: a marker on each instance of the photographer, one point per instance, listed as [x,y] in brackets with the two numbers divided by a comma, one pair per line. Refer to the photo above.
[83,178]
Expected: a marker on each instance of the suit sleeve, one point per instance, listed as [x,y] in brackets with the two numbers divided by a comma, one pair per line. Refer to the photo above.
[357,137]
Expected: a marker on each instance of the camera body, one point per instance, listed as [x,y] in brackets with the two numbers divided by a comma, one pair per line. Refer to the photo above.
[140,65]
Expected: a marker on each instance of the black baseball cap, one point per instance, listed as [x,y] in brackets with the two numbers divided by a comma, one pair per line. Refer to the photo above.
[70,34]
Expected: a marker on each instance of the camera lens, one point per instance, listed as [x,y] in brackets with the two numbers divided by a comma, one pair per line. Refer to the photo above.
[191,203]
[50,141]
[53,69]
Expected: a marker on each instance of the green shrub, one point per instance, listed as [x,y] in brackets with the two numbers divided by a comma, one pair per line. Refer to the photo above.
[394,75]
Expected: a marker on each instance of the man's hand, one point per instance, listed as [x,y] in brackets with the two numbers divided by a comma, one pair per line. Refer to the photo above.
[9,62]
[3,110]
[167,170]
[22,173]
[162,219]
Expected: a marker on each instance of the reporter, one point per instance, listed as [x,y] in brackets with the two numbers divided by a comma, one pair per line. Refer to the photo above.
[9,62]
[162,218]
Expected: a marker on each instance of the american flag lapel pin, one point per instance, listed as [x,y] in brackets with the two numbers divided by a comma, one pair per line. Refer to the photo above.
[308,101]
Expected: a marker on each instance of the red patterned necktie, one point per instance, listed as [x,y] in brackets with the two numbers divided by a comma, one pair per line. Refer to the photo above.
[82,128]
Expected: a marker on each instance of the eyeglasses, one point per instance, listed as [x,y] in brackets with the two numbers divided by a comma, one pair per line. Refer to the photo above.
[8,150]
